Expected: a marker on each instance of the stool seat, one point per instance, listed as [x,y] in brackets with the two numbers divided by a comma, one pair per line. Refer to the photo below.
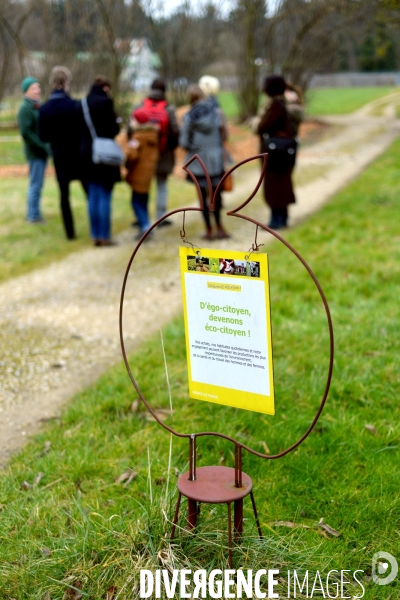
[214,485]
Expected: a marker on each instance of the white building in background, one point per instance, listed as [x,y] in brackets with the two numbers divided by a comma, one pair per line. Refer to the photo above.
[141,64]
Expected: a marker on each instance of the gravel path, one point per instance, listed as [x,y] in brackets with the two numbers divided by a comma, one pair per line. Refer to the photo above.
[59,325]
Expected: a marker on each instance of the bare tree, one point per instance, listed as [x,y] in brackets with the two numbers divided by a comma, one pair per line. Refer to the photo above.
[12,21]
[186,41]
[304,37]
[249,21]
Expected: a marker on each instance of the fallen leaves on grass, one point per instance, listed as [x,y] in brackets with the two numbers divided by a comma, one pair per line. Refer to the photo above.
[289,524]
[37,479]
[25,485]
[73,591]
[328,528]
[134,406]
[46,448]
[164,558]
[110,594]
[372,429]
[128,475]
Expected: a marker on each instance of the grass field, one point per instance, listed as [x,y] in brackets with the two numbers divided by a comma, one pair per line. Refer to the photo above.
[24,246]
[12,151]
[68,521]
[320,102]
[229,104]
[338,101]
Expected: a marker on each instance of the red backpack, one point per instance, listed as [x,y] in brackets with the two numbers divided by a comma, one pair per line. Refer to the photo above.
[155,111]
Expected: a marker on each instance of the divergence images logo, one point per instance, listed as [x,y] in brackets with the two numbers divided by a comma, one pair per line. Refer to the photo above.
[380,566]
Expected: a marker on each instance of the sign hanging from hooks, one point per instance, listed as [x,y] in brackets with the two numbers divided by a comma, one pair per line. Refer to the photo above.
[227,317]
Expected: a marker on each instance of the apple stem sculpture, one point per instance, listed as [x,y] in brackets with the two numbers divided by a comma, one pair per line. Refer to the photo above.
[220,484]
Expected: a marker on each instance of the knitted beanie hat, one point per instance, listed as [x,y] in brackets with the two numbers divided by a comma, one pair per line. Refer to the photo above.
[27,82]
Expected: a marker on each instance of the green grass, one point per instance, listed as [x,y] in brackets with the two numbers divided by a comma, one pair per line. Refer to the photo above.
[229,104]
[10,132]
[79,527]
[24,246]
[339,101]
[12,152]
[320,102]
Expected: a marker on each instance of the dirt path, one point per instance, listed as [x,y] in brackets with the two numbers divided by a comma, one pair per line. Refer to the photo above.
[60,324]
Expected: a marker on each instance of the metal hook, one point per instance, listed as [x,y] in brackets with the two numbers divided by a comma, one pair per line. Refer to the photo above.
[184,238]
[183,232]
[254,247]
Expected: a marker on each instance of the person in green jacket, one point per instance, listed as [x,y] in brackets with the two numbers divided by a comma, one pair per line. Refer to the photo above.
[36,151]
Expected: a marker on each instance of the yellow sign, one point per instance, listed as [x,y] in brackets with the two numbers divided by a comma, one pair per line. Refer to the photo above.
[228,328]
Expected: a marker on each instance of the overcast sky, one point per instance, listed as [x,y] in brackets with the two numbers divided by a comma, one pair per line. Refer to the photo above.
[170,5]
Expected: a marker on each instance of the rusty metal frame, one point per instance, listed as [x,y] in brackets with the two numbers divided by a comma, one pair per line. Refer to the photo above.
[234,213]
[242,485]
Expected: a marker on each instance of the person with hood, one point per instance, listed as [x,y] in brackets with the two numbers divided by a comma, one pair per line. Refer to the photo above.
[275,121]
[142,154]
[36,151]
[100,178]
[203,133]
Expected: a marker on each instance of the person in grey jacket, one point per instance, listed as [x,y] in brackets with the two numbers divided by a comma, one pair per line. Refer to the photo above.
[202,133]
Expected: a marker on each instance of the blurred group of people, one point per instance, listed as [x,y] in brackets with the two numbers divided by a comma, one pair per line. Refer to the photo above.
[61,128]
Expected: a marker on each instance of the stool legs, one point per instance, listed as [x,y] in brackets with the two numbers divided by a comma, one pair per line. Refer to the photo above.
[256,515]
[192,513]
[238,518]
[229,536]
[178,503]
[193,510]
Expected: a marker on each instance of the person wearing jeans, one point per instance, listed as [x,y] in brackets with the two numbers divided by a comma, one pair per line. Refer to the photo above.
[35,150]
[162,195]
[159,112]
[141,159]
[140,202]
[37,168]
[99,207]
[99,178]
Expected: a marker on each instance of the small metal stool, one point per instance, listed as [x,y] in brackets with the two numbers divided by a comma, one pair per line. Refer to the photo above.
[216,485]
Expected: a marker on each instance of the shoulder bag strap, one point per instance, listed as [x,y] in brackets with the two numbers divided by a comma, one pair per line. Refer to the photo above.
[88,119]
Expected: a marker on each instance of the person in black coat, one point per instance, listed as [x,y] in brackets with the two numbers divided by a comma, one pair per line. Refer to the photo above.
[99,178]
[275,122]
[61,124]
